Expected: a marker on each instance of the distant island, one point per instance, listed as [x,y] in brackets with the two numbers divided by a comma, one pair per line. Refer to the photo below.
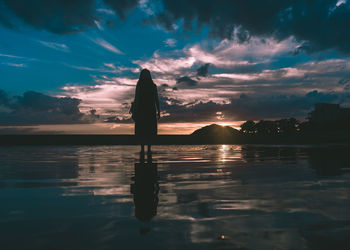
[327,123]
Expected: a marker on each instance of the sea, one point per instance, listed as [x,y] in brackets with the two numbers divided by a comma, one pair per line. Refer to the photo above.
[176,197]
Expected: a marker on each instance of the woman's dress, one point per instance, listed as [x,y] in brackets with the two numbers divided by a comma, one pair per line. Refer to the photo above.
[145,108]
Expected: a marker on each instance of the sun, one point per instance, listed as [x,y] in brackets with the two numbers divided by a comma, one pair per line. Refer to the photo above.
[225,123]
[234,124]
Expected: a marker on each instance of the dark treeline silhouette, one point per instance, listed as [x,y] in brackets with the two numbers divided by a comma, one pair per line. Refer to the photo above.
[327,117]
[324,118]
[282,126]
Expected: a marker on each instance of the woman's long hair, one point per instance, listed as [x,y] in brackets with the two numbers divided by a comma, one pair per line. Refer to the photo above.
[145,79]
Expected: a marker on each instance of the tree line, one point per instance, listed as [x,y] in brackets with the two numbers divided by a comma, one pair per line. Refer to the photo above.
[292,126]
[267,127]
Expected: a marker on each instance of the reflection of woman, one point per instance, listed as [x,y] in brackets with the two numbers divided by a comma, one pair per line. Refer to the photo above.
[146,109]
[145,189]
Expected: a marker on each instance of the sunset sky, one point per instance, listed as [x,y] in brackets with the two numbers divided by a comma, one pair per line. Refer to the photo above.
[71,66]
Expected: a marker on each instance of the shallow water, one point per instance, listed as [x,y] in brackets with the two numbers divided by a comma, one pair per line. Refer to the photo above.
[185,197]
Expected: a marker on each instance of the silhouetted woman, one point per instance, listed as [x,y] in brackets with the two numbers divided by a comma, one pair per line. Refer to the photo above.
[146,109]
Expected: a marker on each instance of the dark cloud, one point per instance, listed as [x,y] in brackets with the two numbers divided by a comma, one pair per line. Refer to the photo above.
[203,70]
[247,107]
[187,81]
[279,106]
[36,108]
[319,24]
[4,99]
[58,16]
[115,119]
[199,112]
[343,81]
[121,6]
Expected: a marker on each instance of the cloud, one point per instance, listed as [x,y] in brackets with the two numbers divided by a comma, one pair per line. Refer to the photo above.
[98,25]
[279,90]
[37,108]
[16,61]
[105,68]
[16,58]
[343,81]
[170,42]
[55,46]
[245,107]
[186,80]
[145,5]
[238,95]
[121,7]
[166,64]
[34,108]
[12,56]
[259,107]
[319,24]
[228,54]
[203,70]
[16,65]
[57,16]
[224,55]
[316,25]
[110,96]
[103,43]
[4,99]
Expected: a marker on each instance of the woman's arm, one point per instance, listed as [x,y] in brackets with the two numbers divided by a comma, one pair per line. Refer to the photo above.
[157,101]
[136,99]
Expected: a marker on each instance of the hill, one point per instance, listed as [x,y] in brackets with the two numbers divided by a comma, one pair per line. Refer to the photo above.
[214,130]
[217,133]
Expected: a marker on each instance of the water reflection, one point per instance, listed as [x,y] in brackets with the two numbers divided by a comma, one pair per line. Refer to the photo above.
[329,161]
[26,167]
[145,188]
[211,197]
[251,153]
